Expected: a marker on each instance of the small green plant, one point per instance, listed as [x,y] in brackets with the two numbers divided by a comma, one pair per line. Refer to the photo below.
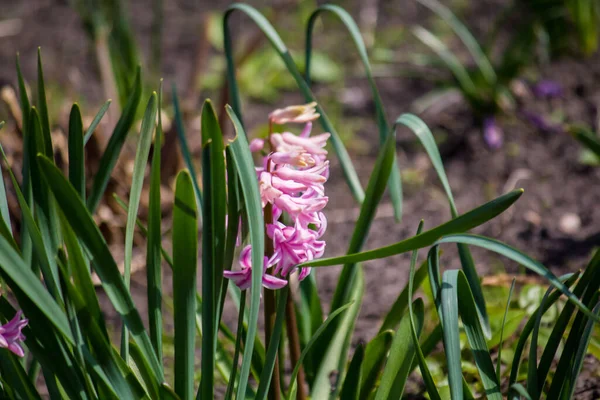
[278,218]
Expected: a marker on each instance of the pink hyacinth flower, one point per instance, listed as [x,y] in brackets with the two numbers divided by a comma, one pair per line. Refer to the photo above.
[11,336]
[243,277]
[257,145]
[294,114]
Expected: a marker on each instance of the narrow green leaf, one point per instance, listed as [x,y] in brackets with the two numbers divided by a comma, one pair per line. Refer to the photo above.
[463,223]
[587,138]
[267,373]
[92,128]
[76,153]
[185,150]
[242,157]
[309,345]
[350,388]
[137,181]
[430,385]
[115,144]
[455,282]
[443,52]
[400,359]
[213,239]
[582,349]
[43,106]
[4,211]
[185,258]
[470,42]
[376,352]
[154,245]
[532,375]
[88,232]
[526,331]
[238,344]
[15,376]
[395,182]
[522,259]
[587,285]
[499,360]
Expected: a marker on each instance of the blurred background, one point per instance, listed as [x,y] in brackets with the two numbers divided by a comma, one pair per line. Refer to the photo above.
[500,83]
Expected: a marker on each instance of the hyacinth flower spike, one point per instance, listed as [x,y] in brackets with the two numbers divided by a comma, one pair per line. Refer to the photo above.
[291,182]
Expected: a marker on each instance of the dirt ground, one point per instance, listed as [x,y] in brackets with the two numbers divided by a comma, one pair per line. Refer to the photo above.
[558,187]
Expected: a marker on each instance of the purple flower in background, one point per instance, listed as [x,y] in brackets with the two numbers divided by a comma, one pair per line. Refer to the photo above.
[547,88]
[291,179]
[11,336]
[492,133]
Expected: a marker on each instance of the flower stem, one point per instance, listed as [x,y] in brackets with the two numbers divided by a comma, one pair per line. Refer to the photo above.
[294,342]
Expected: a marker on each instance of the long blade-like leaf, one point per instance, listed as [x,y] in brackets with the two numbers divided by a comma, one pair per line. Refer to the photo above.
[242,157]
[463,223]
[137,181]
[113,148]
[185,258]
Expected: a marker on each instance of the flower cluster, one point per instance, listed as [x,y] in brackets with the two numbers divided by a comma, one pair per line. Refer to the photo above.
[11,336]
[291,181]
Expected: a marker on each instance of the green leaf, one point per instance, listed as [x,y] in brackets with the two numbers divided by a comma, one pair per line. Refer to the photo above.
[587,138]
[265,26]
[267,373]
[395,183]
[115,144]
[242,158]
[522,259]
[137,181]
[15,376]
[154,245]
[309,345]
[45,121]
[4,211]
[350,388]
[238,344]
[185,257]
[422,132]
[92,128]
[584,342]
[400,360]
[587,285]
[452,63]
[532,384]
[455,282]
[185,150]
[499,359]
[76,153]
[463,223]
[426,374]
[375,355]
[88,232]
[470,42]
[213,239]
[524,336]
